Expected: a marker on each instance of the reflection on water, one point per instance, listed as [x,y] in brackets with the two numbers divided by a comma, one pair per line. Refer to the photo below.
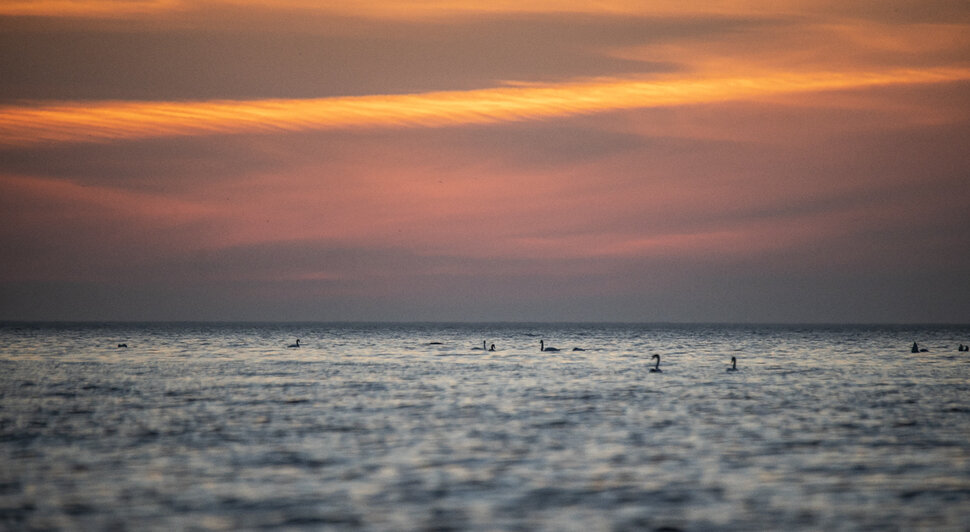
[198,426]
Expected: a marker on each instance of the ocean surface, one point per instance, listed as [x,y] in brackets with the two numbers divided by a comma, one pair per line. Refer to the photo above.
[199,426]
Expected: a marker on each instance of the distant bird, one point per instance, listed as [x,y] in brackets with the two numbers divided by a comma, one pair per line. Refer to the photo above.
[915,348]
[656,369]
[542,347]
[297,344]
[734,364]
[123,345]
[482,348]
[435,343]
[578,349]
[491,347]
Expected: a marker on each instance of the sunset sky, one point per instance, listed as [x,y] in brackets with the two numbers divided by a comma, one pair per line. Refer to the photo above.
[458,160]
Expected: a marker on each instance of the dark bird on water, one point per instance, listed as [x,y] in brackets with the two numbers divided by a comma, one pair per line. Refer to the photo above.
[656,369]
[297,344]
[734,364]
[542,347]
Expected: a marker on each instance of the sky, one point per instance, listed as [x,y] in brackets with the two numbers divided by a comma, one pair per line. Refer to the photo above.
[790,161]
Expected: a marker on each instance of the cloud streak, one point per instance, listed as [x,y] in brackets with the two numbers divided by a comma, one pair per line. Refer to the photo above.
[108,121]
[390,9]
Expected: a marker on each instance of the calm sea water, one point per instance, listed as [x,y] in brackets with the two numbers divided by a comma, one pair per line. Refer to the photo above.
[374,427]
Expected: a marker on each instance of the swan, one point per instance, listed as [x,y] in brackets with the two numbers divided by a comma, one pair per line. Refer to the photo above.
[734,364]
[297,344]
[123,345]
[492,347]
[656,369]
[578,349]
[542,347]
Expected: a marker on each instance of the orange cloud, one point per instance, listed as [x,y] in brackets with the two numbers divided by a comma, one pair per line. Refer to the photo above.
[88,8]
[815,45]
[438,8]
[379,8]
[106,121]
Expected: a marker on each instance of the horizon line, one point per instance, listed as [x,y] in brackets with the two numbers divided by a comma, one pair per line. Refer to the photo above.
[477,322]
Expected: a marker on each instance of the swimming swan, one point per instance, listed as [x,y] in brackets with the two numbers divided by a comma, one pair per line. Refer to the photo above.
[297,344]
[656,369]
[542,347]
[734,364]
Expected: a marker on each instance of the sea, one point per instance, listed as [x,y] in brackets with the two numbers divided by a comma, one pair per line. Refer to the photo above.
[421,426]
